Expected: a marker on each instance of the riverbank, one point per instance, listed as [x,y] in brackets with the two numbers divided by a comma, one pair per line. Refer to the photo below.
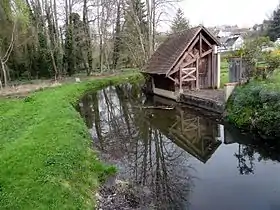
[255,107]
[46,159]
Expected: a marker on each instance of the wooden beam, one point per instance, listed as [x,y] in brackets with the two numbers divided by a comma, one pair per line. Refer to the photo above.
[193,44]
[189,75]
[173,80]
[206,41]
[188,63]
[206,53]
[189,78]
[197,74]
[200,44]
[213,69]
[173,71]
[209,71]
[191,54]
[180,81]
[187,70]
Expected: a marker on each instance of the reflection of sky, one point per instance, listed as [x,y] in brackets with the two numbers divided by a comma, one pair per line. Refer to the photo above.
[221,187]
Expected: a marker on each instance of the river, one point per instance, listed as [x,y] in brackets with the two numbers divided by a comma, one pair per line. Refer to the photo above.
[175,158]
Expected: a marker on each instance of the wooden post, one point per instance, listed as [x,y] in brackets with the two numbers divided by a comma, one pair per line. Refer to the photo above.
[213,68]
[210,72]
[218,70]
[197,74]
[200,44]
[181,80]
[153,85]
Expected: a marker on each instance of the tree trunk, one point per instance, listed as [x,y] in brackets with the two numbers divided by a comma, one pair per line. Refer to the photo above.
[4,73]
[116,50]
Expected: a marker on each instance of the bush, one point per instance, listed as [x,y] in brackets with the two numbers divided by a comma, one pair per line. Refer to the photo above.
[272,60]
[256,107]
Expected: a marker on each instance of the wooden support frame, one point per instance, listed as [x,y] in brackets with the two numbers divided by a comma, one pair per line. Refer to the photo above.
[200,44]
[175,81]
[175,69]
[197,74]
[180,81]
[192,62]
[213,67]
[206,53]
[188,74]
[182,65]
[188,63]
[194,43]
[206,41]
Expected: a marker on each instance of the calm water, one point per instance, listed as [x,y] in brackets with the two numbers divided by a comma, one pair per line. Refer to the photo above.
[185,160]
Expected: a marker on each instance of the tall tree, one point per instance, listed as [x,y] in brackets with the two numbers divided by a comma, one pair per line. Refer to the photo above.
[273,29]
[117,38]
[179,22]
[135,33]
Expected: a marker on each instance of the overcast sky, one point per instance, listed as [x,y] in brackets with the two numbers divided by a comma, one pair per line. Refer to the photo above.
[219,12]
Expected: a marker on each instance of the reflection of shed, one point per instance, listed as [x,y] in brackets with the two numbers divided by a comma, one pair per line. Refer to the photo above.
[186,60]
[197,137]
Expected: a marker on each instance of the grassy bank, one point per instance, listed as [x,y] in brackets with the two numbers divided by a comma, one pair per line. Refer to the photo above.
[256,107]
[46,160]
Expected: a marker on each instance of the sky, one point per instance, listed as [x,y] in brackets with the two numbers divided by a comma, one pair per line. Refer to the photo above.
[244,13]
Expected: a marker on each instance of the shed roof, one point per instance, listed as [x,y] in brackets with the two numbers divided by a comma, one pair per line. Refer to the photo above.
[171,50]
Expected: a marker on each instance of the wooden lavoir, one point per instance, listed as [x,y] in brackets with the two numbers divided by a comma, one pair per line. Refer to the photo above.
[186,61]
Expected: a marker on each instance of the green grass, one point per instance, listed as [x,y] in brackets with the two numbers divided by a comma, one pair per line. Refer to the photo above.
[224,77]
[46,159]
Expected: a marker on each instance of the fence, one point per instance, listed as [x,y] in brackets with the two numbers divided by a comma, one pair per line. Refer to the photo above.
[239,70]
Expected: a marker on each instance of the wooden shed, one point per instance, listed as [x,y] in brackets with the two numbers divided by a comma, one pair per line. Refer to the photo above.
[187,60]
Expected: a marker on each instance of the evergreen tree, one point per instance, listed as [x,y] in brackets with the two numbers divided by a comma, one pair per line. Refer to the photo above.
[134,34]
[179,22]
[273,28]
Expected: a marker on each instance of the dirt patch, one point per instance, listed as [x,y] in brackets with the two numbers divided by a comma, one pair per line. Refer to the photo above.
[121,195]
[16,90]
[23,90]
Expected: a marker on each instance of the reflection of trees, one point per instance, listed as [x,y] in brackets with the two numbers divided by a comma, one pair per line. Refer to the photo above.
[146,157]
[246,159]
[256,150]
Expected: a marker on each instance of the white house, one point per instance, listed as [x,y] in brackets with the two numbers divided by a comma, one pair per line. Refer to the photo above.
[234,42]
[277,42]
[223,33]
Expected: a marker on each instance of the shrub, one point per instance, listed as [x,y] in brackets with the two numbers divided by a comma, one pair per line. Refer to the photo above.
[256,107]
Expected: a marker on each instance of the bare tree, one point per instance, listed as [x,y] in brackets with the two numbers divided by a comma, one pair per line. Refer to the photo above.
[4,59]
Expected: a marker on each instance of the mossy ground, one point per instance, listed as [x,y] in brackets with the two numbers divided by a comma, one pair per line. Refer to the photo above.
[46,156]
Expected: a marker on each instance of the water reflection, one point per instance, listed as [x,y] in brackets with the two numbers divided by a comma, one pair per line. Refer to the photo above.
[156,148]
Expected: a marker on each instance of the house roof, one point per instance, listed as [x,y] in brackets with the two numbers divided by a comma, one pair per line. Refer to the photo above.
[230,41]
[171,50]
[223,39]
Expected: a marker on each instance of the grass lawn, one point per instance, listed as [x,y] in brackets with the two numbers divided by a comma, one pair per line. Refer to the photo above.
[224,77]
[46,159]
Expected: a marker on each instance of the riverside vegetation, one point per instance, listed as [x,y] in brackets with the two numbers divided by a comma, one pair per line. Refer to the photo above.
[256,105]
[45,149]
